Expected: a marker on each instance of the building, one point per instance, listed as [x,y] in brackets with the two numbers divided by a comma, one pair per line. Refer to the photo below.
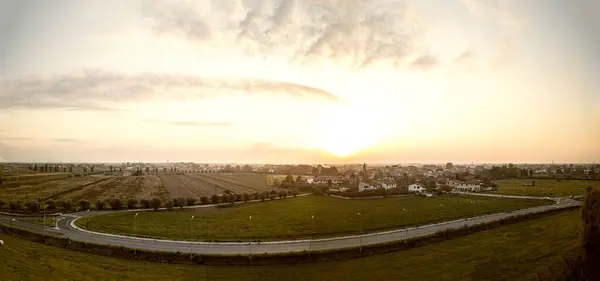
[325,179]
[415,187]
[366,187]
[470,186]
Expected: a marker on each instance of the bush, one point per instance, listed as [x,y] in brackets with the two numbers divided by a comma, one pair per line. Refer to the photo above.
[224,198]
[256,195]
[67,205]
[273,192]
[203,200]
[116,204]
[33,206]
[232,198]
[169,205]
[51,205]
[145,204]
[156,203]
[190,201]
[238,197]
[272,196]
[295,192]
[84,205]
[246,197]
[214,199]
[2,203]
[99,205]
[131,203]
[180,202]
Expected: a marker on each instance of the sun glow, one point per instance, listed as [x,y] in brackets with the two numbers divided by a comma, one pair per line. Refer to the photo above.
[348,130]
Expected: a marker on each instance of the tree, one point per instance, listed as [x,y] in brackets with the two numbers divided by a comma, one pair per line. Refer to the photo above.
[289,179]
[131,203]
[33,206]
[190,201]
[329,183]
[180,202]
[276,183]
[203,200]
[14,206]
[590,215]
[2,203]
[169,205]
[156,203]
[144,203]
[246,197]
[84,205]
[116,204]
[214,199]
[233,198]
[282,194]
[99,205]
[67,205]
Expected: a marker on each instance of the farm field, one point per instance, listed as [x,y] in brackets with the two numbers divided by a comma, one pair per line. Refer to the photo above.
[32,179]
[120,187]
[544,187]
[48,188]
[513,252]
[291,218]
[197,185]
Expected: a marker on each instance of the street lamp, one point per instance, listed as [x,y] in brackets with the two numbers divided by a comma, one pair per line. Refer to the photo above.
[250,243]
[11,222]
[134,230]
[85,218]
[312,236]
[361,230]
[191,218]
[45,207]
[406,228]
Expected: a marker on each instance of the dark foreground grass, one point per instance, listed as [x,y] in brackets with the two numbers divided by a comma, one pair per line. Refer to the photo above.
[544,187]
[514,252]
[292,218]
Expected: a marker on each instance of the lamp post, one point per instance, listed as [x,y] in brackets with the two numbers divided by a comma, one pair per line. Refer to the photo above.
[361,230]
[250,243]
[191,218]
[134,230]
[406,228]
[11,222]
[85,218]
[45,206]
[312,236]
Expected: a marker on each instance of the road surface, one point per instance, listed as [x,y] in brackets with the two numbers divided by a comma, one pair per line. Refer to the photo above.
[66,228]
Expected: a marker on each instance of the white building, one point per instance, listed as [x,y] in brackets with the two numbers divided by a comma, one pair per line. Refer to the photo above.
[415,187]
[468,187]
[365,187]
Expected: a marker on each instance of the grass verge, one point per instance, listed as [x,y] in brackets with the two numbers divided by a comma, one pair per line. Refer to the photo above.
[292,218]
[544,187]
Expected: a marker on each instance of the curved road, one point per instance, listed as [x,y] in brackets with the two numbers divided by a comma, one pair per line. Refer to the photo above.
[66,228]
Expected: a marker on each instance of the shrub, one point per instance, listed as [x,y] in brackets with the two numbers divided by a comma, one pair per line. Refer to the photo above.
[84,204]
[67,205]
[144,203]
[232,198]
[33,206]
[131,203]
[190,201]
[116,204]
[246,197]
[99,205]
[272,196]
[51,205]
[273,192]
[156,203]
[238,197]
[295,192]
[180,202]
[281,194]
[2,203]
[169,205]
[256,195]
[214,199]
[224,198]
[203,200]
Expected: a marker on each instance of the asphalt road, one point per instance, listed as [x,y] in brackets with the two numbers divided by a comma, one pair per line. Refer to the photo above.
[66,228]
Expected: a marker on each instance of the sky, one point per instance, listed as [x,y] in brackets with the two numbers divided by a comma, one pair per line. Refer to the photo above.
[304,81]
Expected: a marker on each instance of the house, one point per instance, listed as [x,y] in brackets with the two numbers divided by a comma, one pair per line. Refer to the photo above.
[365,187]
[415,187]
[468,186]
[325,179]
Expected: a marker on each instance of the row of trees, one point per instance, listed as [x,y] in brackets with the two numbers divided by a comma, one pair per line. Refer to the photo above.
[49,169]
[155,203]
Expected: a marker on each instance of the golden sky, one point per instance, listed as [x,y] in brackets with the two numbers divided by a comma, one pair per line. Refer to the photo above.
[305,81]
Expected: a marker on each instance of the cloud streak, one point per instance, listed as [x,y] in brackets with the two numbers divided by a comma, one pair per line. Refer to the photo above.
[101,90]
[352,32]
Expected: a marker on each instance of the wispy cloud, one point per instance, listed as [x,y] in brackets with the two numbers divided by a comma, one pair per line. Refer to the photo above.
[352,32]
[65,140]
[424,62]
[191,123]
[101,90]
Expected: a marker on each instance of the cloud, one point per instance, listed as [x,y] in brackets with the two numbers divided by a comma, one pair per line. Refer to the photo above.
[101,90]
[465,56]
[192,123]
[65,140]
[355,33]
[424,62]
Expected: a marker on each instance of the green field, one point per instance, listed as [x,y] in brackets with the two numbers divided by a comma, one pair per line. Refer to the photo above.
[544,187]
[291,218]
[513,252]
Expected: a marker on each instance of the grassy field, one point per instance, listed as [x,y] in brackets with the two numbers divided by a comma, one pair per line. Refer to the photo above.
[514,252]
[197,185]
[544,187]
[291,218]
[31,179]
[50,186]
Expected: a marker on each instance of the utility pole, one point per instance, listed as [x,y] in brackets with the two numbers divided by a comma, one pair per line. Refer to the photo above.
[250,243]
[361,232]
[312,236]
[134,230]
